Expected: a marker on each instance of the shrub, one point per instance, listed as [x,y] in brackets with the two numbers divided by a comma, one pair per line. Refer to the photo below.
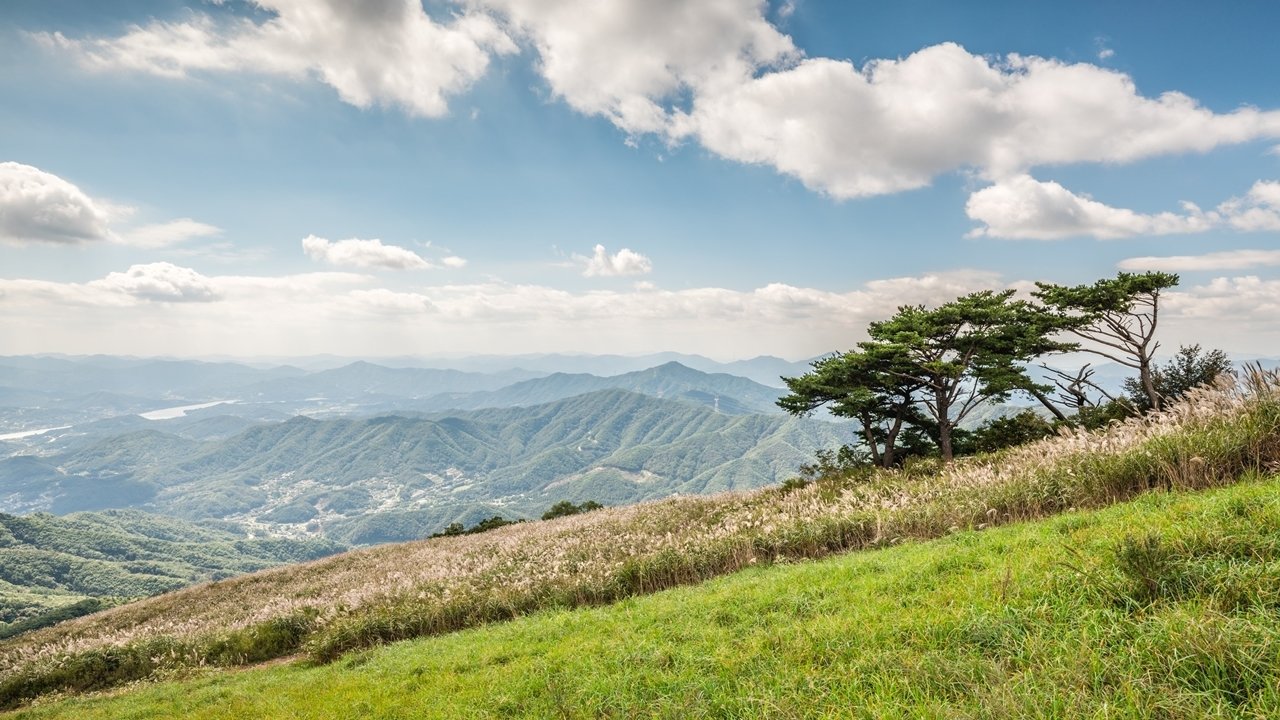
[565,508]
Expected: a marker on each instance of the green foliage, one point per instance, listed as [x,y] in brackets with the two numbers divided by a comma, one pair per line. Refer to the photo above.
[1009,431]
[485,525]
[1191,367]
[55,616]
[123,553]
[453,467]
[1116,317]
[298,511]
[837,464]
[1096,418]
[946,360]
[266,640]
[873,388]
[451,530]
[566,507]
[793,484]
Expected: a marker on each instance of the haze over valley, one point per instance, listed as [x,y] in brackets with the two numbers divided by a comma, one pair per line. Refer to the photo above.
[366,453]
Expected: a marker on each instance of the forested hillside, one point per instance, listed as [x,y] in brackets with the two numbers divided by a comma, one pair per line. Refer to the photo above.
[48,562]
[396,477]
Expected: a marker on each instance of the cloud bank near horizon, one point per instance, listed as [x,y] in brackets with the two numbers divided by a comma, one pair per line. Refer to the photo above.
[162,308]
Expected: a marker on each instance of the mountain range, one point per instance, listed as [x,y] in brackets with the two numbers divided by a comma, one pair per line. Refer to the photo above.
[333,476]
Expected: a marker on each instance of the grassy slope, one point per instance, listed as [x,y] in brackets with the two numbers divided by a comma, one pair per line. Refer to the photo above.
[1058,618]
[358,600]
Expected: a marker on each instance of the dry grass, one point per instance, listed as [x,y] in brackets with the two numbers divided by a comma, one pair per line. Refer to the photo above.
[392,592]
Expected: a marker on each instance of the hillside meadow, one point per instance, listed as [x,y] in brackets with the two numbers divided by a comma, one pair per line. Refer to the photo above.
[329,608]
[1164,607]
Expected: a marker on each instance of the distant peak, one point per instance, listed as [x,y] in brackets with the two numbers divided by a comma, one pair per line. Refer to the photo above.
[674,366]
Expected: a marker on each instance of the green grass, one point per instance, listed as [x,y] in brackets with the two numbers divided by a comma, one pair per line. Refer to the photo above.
[330,608]
[1164,607]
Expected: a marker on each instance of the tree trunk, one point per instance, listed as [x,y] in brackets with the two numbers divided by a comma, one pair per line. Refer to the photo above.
[944,440]
[1047,403]
[1148,383]
[890,442]
[870,438]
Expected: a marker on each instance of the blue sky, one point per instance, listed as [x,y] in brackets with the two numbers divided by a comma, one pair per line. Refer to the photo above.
[726,177]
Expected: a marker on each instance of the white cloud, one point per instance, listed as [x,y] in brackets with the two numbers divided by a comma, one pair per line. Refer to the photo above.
[454,261]
[1258,210]
[165,309]
[381,301]
[1023,207]
[1225,260]
[362,254]
[623,59]
[1222,298]
[40,207]
[716,72]
[378,52]
[169,233]
[140,311]
[161,282]
[1236,313]
[623,262]
[896,124]
[36,206]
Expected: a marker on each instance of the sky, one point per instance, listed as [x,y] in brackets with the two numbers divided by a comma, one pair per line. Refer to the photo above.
[724,177]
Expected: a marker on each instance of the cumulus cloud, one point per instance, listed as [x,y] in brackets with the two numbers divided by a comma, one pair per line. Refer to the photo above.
[894,125]
[454,261]
[623,262]
[1246,296]
[719,73]
[379,52]
[40,207]
[1023,207]
[36,206]
[1258,210]
[715,72]
[1225,260]
[623,60]
[1241,313]
[161,282]
[1026,208]
[359,253]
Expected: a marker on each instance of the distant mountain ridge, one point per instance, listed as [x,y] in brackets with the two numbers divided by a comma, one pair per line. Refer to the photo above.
[612,446]
[727,393]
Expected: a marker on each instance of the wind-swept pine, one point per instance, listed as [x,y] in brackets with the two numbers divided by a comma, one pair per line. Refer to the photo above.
[946,360]
[872,388]
[972,349]
[1116,317]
